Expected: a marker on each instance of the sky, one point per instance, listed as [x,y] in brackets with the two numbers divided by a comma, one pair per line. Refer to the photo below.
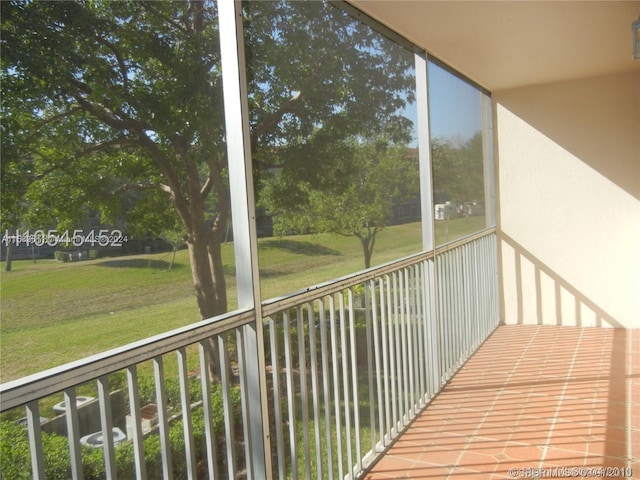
[455,109]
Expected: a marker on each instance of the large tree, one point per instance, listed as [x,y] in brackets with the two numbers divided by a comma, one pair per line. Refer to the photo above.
[127,116]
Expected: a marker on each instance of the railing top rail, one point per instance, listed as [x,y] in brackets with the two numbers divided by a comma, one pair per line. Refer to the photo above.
[26,389]
[278,304]
[464,240]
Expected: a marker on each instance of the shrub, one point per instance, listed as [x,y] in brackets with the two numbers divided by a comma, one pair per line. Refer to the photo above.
[61,256]
[15,457]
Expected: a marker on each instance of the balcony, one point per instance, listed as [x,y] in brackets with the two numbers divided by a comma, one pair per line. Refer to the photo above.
[329,377]
[403,370]
[398,371]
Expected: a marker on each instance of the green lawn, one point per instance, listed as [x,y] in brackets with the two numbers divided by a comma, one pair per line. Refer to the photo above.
[54,312]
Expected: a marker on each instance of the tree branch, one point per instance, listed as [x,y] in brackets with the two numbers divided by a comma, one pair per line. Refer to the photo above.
[121,63]
[270,121]
[54,118]
[98,147]
[142,187]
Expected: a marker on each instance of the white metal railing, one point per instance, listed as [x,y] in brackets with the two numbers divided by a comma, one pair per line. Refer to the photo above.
[353,362]
[349,364]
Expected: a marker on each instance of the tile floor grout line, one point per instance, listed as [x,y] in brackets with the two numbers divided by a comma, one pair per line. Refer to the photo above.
[554,420]
[493,403]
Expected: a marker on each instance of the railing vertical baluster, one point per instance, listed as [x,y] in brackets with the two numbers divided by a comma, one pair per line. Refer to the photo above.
[492,271]
[163,423]
[453,318]
[377,373]
[494,279]
[35,440]
[476,289]
[315,390]
[459,306]
[386,396]
[443,317]
[241,349]
[462,304]
[304,391]
[406,392]
[407,368]
[471,293]
[187,424]
[354,381]
[483,288]
[459,303]
[106,421]
[336,384]
[73,433]
[488,278]
[291,397]
[277,408]
[479,289]
[324,349]
[484,279]
[345,381]
[428,327]
[415,324]
[438,323]
[484,283]
[394,335]
[227,405]
[370,349]
[397,324]
[421,357]
[136,426]
[204,350]
[451,305]
[432,328]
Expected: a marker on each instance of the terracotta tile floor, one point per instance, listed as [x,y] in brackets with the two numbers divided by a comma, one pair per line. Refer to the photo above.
[532,397]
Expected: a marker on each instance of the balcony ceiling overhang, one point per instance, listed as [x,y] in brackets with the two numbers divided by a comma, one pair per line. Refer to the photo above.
[510,44]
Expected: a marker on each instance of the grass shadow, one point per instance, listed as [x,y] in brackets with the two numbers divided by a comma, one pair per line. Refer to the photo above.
[297,247]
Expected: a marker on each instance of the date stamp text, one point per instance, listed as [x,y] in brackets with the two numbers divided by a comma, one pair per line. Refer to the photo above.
[570,472]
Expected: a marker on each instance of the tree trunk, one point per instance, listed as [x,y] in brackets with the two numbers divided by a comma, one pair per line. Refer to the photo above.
[173,257]
[7,266]
[210,286]
[367,250]
[367,241]
[210,293]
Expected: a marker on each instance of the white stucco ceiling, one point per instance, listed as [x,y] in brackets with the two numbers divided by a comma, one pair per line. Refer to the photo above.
[509,44]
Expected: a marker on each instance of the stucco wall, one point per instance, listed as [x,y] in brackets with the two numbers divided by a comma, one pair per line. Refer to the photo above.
[569,202]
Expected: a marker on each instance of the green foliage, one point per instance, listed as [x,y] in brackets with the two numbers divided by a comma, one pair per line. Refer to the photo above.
[61,256]
[15,458]
[458,169]
[356,200]
[147,390]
